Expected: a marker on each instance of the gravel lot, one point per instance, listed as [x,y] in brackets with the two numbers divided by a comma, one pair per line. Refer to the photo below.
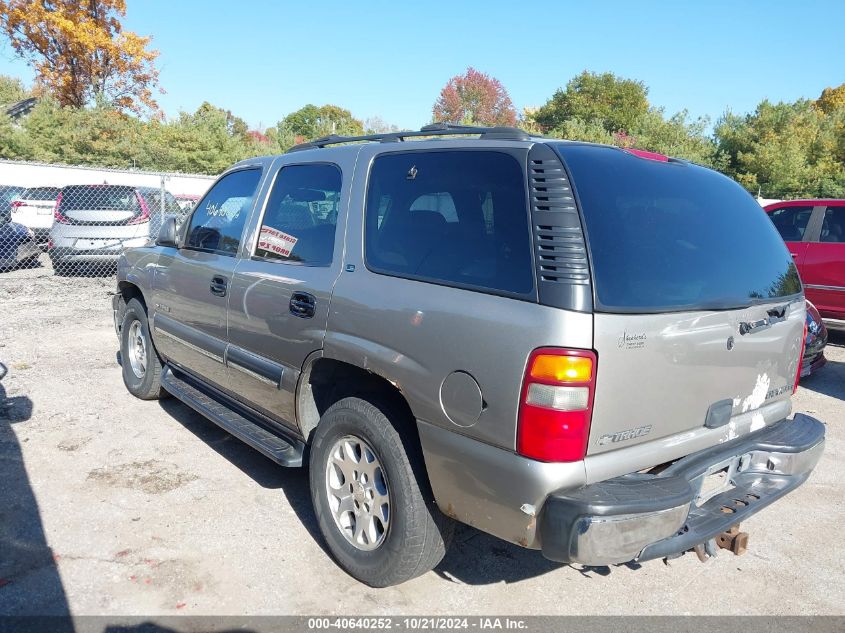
[110,505]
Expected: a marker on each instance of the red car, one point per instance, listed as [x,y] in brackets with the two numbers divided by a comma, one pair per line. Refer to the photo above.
[814,232]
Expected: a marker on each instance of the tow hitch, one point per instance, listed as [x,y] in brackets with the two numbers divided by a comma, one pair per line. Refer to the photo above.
[732,540]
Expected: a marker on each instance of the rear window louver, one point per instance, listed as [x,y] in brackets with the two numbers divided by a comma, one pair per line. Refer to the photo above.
[560,253]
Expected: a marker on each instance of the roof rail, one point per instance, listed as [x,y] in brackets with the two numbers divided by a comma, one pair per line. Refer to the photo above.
[433,129]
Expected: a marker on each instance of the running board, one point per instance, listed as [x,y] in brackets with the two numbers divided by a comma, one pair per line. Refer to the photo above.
[280,450]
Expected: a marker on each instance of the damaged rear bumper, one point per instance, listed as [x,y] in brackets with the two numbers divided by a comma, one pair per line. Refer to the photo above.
[645,516]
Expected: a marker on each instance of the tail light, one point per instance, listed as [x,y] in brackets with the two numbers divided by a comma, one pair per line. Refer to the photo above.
[144,216]
[800,358]
[50,245]
[17,204]
[557,404]
[58,216]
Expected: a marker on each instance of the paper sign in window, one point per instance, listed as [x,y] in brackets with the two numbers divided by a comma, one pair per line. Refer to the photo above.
[275,241]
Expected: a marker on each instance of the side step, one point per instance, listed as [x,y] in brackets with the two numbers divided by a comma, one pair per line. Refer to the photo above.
[281,451]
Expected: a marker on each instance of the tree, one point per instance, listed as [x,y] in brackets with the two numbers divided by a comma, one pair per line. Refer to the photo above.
[474,98]
[207,142]
[377,125]
[80,52]
[616,103]
[310,122]
[831,99]
[676,136]
[786,150]
[12,90]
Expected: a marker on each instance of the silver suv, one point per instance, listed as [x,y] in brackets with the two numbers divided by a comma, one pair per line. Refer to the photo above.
[579,349]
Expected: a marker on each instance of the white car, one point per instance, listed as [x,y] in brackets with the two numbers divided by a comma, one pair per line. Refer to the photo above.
[34,210]
[93,223]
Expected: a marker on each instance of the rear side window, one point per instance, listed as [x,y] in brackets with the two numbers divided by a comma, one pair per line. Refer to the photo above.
[452,217]
[218,221]
[301,216]
[41,193]
[100,198]
[791,222]
[833,225]
[153,200]
[671,236]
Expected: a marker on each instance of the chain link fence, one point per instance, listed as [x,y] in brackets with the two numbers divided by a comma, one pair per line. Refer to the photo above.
[80,230]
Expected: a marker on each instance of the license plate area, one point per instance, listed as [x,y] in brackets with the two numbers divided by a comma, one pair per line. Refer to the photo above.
[84,243]
[716,480]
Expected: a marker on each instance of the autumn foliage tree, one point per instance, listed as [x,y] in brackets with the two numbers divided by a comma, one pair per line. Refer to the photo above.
[474,98]
[80,52]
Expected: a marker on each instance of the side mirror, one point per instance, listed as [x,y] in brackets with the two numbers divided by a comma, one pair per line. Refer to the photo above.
[168,235]
[3,371]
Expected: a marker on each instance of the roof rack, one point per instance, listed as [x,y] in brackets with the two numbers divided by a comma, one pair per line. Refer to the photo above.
[433,129]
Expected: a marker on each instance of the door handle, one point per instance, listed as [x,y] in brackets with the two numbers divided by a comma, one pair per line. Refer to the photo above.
[218,286]
[794,255]
[302,305]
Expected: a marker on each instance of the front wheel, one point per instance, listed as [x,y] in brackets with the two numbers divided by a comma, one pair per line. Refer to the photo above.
[139,359]
[376,515]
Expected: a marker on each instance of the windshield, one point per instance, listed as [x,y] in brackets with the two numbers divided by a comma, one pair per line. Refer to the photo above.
[670,236]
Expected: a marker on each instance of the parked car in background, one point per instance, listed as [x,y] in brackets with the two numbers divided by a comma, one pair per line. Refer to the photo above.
[604,378]
[92,224]
[814,232]
[814,342]
[33,208]
[186,201]
[17,246]
[8,194]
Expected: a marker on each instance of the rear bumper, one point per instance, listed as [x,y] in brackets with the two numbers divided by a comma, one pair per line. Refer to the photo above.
[642,517]
[79,253]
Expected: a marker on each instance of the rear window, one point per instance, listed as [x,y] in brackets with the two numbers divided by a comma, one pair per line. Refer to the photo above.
[455,218]
[99,197]
[41,193]
[668,236]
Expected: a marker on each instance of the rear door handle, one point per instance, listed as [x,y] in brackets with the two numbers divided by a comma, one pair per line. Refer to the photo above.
[218,286]
[303,305]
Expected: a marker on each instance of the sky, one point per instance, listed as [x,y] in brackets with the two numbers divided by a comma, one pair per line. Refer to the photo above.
[263,59]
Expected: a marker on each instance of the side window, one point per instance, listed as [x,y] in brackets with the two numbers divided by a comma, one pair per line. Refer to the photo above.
[301,216]
[218,221]
[455,218]
[833,225]
[791,222]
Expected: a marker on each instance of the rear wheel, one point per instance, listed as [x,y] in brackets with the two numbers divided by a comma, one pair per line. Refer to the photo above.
[371,496]
[61,268]
[140,362]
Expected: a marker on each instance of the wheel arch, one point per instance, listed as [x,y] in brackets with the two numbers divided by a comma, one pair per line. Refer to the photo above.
[325,380]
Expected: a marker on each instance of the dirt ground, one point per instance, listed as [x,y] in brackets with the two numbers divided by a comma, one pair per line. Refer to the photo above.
[110,505]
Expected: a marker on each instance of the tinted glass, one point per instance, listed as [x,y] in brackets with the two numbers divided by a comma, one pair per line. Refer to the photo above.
[301,216]
[669,236]
[41,193]
[791,222]
[99,197]
[457,218]
[218,221]
[833,225]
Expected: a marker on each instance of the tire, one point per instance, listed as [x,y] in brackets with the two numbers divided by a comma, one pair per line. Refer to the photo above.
[139,360]
[61,268]
[416,535]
